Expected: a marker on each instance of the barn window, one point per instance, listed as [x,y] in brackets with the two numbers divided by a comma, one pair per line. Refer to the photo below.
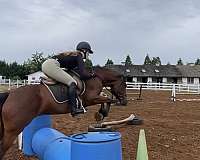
[190,80]
[143,71]
[33,78]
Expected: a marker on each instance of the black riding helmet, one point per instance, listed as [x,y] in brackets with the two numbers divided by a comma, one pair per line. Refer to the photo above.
[84,45]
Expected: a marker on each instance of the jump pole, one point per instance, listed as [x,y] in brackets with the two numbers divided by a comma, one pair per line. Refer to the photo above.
[142,153]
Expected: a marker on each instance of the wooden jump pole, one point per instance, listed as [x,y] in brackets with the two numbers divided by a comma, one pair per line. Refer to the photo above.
[142,153]
[130,118]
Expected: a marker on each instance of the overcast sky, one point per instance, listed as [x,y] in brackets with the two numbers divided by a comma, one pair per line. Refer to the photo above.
[168,29]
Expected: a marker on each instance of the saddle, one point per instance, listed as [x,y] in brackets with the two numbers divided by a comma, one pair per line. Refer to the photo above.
[59,91]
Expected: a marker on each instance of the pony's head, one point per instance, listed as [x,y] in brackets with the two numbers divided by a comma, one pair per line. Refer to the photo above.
[118,89]
[115,81]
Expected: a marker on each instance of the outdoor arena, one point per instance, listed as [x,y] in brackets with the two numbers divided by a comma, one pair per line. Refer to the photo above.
[172,127]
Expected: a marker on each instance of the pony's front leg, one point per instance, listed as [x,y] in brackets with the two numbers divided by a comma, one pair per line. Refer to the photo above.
[98,100]
[103,112]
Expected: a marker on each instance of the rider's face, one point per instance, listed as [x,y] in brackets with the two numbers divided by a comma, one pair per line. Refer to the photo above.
[85,54]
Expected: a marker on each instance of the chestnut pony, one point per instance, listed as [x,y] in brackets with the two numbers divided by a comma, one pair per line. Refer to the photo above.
[20,106]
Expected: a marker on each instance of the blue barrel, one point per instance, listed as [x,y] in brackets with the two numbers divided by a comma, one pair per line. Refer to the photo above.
[96,146]
[60,149]
[29,131]
[44,139]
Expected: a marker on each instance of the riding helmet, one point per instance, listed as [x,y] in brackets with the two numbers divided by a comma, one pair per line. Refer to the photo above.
[84,45]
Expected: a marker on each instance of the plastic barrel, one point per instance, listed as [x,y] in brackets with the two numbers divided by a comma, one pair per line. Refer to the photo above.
[43,139]
[60,149]
[29,131]
[96,146]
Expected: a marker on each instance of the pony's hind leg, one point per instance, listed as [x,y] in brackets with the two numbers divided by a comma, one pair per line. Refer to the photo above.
[7,142]
[1,149]
[1,137]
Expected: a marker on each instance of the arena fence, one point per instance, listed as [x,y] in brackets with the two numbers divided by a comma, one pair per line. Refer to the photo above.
[9,83]
[180,88]
[176,92]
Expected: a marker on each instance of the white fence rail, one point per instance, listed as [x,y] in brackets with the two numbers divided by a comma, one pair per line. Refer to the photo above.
[15,83]
[184,88]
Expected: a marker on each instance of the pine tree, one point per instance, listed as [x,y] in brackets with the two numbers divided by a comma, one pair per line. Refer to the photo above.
[197,61]
[179,62]
[147,60]
[109,62]
[128,60]
[156,61]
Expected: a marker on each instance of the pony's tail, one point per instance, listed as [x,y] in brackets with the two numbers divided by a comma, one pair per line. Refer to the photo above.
[3,97]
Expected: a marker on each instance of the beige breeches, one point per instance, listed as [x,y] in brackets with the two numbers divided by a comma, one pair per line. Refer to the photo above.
[51,68]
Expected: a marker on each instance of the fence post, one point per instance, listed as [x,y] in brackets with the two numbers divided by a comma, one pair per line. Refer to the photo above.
[17,83]
[173,98]
[9,84]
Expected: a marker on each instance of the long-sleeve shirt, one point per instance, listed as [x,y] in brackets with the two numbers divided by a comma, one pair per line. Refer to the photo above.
[74,62]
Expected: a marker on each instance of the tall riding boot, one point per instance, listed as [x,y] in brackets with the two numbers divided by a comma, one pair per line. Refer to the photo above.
[73,102]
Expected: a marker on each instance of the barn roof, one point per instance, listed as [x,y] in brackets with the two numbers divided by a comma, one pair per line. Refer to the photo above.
[157,71]
[189,71]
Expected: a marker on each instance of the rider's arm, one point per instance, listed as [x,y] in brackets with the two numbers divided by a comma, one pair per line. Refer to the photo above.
[84,74]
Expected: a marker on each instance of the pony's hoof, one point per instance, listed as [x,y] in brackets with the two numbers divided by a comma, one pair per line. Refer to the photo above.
[98,116]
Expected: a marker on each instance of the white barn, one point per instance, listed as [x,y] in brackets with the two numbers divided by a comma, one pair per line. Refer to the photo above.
[2,79]
[35,77]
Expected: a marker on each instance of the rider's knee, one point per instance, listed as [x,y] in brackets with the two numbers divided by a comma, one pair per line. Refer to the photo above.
[71,82]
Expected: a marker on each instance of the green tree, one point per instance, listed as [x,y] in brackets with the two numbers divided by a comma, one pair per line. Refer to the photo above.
[4,68]
[24,71]
[179,62]
[35,63]
[147,60]
[88,64]
[19,71]
[197,61]
[128,60]
[109,62]
[37,60]
[156,61]
[14,70]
